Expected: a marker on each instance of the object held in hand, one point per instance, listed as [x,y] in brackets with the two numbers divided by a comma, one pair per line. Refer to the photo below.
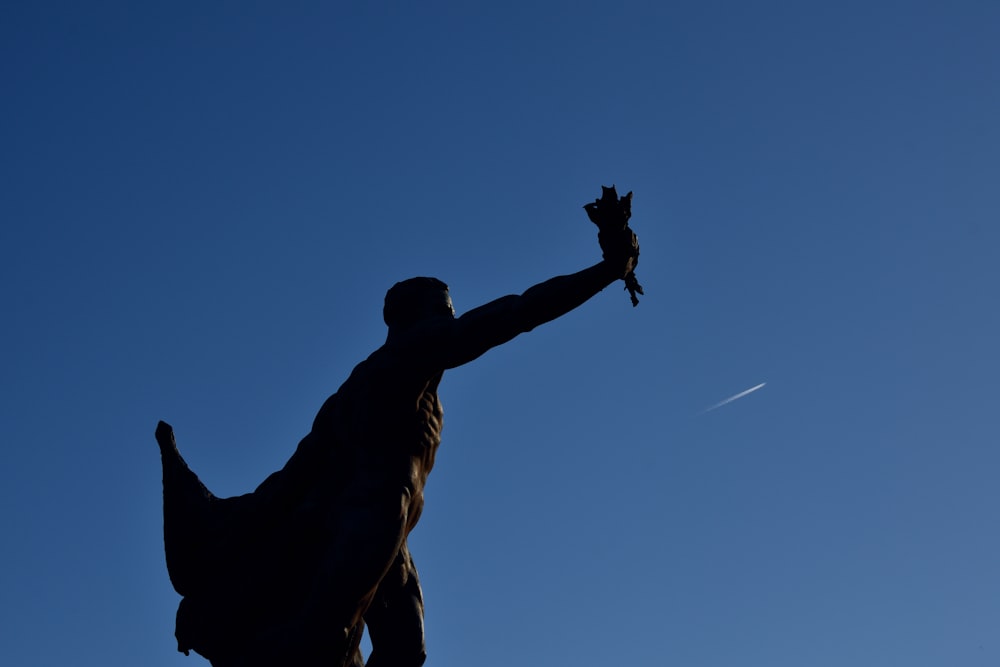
[611,215]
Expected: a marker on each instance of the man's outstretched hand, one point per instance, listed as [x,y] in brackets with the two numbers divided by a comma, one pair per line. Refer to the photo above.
[619,243]
[621,250]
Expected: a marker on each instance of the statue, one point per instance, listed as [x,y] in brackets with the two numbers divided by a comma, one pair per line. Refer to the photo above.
[292,573]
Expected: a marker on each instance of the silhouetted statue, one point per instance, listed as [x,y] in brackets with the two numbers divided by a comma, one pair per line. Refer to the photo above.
[292,573]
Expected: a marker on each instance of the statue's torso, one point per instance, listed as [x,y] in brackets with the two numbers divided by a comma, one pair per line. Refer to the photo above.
[385,425]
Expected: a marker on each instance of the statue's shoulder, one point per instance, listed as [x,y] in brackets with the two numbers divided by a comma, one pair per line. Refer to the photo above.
[381,366]
[395,356]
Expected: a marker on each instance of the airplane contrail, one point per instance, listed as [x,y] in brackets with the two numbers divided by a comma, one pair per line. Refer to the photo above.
[733,398]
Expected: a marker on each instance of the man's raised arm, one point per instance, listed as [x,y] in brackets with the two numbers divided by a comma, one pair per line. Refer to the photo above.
[499,321]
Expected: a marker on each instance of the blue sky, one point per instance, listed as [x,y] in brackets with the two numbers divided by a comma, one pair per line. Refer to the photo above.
[204,204]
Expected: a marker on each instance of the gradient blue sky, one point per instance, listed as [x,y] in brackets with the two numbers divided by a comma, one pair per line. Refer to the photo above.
[204,203]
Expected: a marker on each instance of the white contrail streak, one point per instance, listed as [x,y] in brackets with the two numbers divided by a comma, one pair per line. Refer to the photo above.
[733,398]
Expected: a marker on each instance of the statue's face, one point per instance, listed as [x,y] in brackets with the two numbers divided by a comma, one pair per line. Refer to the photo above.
[436,303]
[417,300]
[430,304]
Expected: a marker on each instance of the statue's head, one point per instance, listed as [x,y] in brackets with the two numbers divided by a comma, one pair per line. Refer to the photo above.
[414,300]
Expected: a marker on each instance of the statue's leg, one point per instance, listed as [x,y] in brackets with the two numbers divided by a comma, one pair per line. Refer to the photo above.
[363,537]
[395,618]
